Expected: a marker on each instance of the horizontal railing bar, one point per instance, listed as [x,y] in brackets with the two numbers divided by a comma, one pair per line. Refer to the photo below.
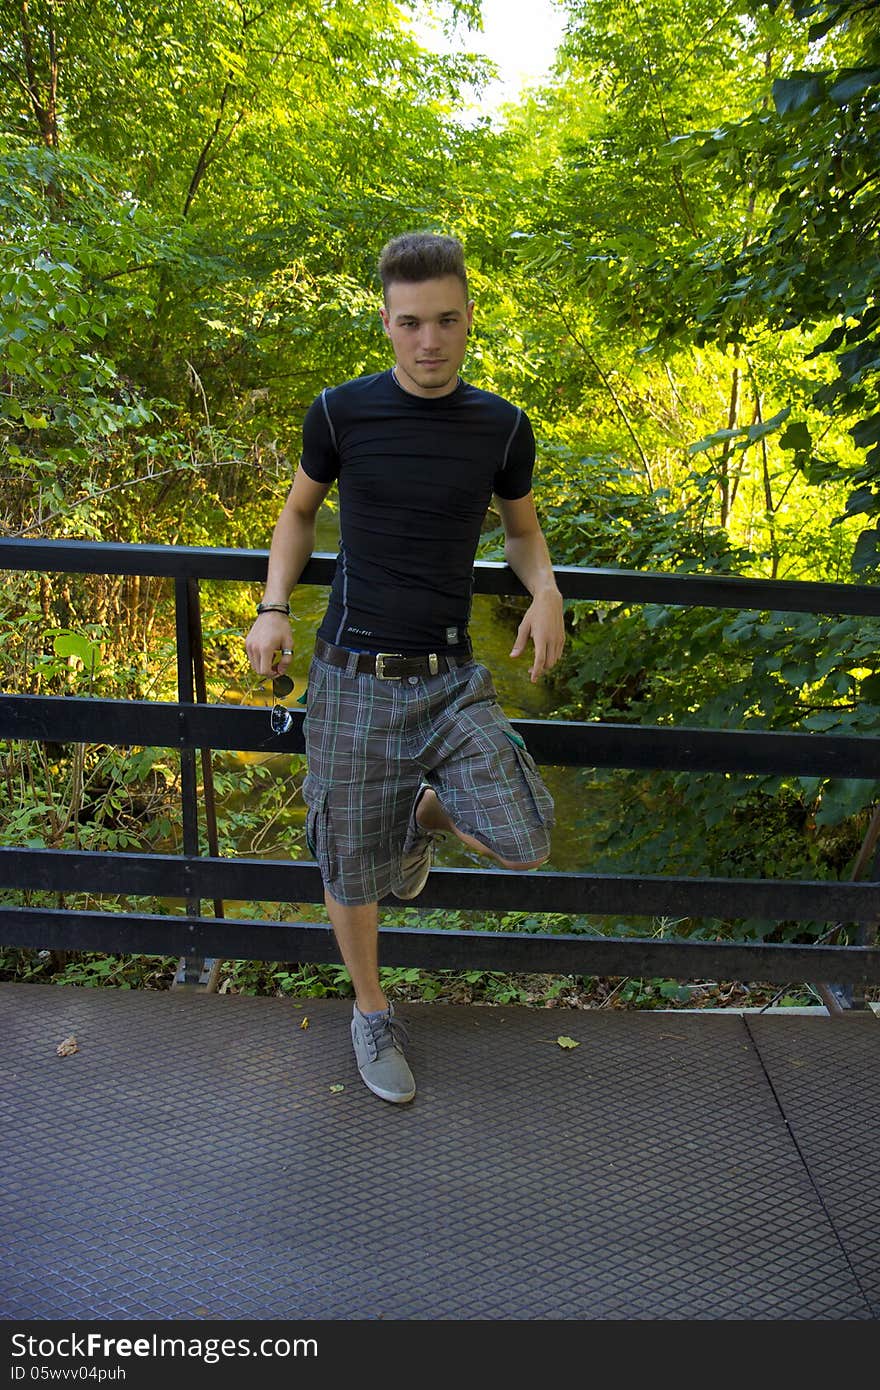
[165,724]
[490,576]
[489,889]
[160,561]
[431,948]
[72,719]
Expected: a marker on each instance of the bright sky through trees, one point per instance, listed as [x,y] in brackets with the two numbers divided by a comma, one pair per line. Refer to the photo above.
[520,36]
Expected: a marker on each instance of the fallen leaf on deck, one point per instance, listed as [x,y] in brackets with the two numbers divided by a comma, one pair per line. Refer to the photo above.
[305,1023]
[334,1090]
[563,1041]
[64,1049]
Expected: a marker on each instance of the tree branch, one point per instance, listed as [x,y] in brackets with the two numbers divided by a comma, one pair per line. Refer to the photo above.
[45,115]
[676,172]
[203,159]
[115,487]
[611,391]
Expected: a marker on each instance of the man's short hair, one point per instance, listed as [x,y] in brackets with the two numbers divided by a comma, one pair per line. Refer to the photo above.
[417,256]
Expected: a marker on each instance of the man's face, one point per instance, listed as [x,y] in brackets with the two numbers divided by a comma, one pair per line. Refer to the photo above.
[428,324]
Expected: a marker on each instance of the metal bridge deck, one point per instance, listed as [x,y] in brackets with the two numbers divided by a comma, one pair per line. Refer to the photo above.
[192,1160]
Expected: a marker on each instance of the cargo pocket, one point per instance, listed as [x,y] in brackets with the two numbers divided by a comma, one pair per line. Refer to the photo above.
[316,797]
[540,796]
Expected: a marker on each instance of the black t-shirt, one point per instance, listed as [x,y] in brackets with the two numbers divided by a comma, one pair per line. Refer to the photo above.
[416,476]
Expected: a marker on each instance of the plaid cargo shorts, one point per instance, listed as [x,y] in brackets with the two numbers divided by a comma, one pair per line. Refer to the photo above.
[372,743]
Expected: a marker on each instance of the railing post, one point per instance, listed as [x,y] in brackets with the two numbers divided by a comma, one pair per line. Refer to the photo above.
[189,970]
[210,975]
[866,932]
[839,998]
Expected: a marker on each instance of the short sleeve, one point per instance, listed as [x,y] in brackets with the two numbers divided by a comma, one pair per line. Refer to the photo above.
[320,457]
[514,478]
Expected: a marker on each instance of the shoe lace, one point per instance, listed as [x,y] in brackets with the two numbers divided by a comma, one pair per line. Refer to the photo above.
[390,1027]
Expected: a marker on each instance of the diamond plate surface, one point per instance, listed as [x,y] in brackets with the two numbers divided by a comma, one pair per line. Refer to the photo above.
[826,1075]
[191,1161]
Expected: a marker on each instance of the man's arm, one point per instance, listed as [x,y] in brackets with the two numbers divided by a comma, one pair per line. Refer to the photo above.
[525,550]
[293,541]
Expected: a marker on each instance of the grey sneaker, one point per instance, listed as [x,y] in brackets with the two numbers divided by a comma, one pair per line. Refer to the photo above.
[415,865]
[378,1049]
[417,857]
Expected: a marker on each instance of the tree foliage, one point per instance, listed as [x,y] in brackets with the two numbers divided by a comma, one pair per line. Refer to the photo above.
[673,247]
[699,260]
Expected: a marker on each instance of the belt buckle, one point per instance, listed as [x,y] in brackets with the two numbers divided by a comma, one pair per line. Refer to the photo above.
[381,658]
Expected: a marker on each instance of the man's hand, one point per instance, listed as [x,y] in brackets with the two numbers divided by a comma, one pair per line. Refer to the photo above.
[269,644]
[543,623]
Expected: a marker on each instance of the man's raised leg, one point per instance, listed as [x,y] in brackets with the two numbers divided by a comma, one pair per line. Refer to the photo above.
[431,816]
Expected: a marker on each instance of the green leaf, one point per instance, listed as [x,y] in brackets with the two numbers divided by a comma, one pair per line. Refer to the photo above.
[852,82]
[864,499]
[756,432]
[565,1042]
[74,644]
[670,989]
[791,93]
[796,675]
[842,798]
[822,26]
[711,440]
[866,431]
[866,554]
[796,436]
[757,927]
[869,690]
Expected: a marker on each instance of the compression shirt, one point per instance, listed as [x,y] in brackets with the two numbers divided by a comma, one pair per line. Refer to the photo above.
[416,476]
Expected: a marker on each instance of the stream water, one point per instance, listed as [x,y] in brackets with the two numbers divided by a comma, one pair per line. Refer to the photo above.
[492,636]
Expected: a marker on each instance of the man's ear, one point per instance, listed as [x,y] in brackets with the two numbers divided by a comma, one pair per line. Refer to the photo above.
[386,323]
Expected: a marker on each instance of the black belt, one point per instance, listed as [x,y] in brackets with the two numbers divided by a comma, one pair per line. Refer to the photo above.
[392,666]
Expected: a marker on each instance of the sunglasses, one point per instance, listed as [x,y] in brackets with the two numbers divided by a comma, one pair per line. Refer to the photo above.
[280,719]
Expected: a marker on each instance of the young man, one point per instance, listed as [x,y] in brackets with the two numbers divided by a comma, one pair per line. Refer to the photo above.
[404,735]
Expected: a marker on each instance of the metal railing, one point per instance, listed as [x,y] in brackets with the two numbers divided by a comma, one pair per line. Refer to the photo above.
[194,727]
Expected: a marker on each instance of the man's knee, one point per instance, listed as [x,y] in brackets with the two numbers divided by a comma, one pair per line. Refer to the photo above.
[354,913]
[520,865]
